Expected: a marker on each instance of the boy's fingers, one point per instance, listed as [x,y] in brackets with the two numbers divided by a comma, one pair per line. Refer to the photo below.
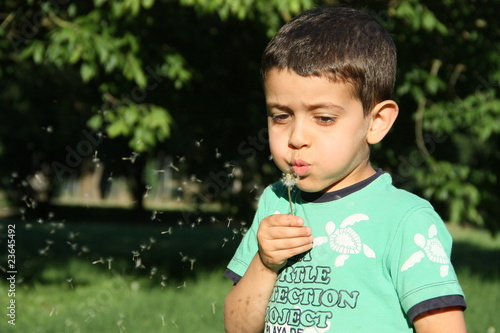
[286,232]
[291,244]
[285,220]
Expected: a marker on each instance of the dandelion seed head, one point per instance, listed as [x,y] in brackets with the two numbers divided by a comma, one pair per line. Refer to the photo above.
[289,179]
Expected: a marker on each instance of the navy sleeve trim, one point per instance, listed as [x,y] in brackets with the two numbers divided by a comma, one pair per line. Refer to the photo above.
[232,276]
[435,304]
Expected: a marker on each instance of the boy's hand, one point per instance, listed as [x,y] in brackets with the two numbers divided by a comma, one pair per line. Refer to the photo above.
[281,237]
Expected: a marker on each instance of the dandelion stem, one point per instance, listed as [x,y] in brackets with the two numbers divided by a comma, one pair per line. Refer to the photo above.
[289,180]
[290,199]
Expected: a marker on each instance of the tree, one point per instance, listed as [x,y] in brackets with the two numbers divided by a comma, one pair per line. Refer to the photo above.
[449,76]
[136,68]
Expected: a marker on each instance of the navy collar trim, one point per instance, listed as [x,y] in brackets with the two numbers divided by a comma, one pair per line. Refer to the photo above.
[320,197]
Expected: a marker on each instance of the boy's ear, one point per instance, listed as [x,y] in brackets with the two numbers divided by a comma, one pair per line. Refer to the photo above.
[382,116]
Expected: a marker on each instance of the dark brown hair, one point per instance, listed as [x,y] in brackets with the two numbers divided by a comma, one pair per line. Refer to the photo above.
[340,43]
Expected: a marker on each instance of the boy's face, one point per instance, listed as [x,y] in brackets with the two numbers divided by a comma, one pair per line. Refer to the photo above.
[317,130]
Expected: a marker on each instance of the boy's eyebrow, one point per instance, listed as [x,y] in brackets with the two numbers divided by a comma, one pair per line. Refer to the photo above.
[277,106]
[327,105]
[308,107]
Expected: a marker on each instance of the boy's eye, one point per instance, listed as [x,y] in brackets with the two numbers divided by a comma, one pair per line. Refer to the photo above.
[279,118]
[325,120]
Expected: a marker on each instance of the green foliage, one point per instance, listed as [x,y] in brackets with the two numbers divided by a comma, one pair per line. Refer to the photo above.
[145,124]
[95,43]
[450,79]
[269,12]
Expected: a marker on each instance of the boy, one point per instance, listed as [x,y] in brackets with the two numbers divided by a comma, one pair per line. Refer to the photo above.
[355,254]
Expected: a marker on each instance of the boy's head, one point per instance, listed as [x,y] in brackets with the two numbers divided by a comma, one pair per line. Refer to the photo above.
[341,44]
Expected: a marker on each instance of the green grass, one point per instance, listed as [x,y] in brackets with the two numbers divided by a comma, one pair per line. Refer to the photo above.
[476,256]
[101,277]
[113,303]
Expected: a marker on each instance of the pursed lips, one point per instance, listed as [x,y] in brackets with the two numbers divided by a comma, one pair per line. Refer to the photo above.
[300,167]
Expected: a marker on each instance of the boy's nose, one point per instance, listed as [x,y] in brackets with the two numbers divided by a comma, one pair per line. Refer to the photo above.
[298,137]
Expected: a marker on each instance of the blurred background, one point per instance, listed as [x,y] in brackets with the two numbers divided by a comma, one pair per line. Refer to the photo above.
[133,147]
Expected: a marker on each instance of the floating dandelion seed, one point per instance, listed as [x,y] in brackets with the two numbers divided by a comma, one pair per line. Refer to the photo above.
[43,252]
[152,240]
[194,179]
[109,260]
[171,165]
[217,154]
[192,261]
[183,285]
[74,246]
[153,272]
[53,310]
[183,257]
[100,261]
[163,282]
[148,187]
[173,322]
[289,180]
[213,307]
[138,263]
[48,129]
[235,232]
[120,325]
[225,241]
[70,280]
[198,143]
[229,219]
[90,317]
[95,159]
[132,157]
[162,320]
[83,249]
[254,187]
[169,231]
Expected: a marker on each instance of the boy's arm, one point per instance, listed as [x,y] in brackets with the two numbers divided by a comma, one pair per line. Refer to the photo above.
[448,320]
[245,305]
[279,237]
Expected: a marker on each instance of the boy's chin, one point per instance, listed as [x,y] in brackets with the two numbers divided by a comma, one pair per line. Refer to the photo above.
[303,185]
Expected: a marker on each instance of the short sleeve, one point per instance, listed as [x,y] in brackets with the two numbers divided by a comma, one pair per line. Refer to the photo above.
[248,246]
[420,259]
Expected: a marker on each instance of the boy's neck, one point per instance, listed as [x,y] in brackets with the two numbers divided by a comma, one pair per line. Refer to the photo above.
[319,197]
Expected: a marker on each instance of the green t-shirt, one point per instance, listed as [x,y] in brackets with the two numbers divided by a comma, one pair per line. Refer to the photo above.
[380,257]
